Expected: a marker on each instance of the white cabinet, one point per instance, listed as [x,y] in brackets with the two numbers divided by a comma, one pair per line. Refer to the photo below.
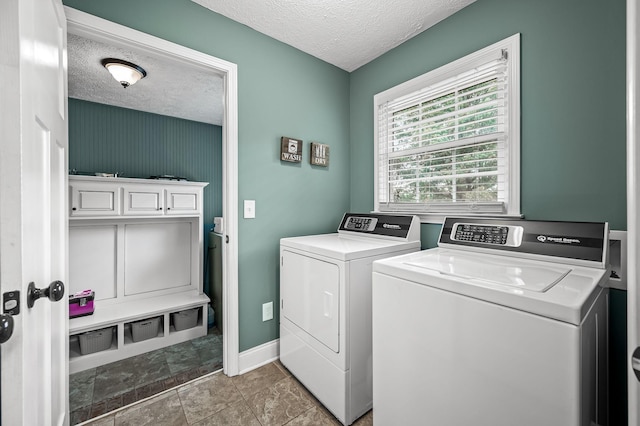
[138,244]
[91,199]
[144,201]
[182,201]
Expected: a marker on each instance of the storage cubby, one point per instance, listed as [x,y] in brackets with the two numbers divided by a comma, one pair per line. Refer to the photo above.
[145,329]
[185,319]
[93,342]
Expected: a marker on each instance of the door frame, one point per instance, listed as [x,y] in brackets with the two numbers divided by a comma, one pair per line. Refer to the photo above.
[90,26]
[633,205]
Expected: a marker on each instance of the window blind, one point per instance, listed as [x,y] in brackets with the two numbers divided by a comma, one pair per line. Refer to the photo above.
[446,145]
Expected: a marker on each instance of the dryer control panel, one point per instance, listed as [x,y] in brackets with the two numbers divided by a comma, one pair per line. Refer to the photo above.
[358,223]
[397,227]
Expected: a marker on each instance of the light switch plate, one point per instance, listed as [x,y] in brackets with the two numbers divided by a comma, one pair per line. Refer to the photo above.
[249,209]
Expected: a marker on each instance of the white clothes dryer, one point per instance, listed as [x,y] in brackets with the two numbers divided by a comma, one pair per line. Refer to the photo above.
[325,306]
[505,323]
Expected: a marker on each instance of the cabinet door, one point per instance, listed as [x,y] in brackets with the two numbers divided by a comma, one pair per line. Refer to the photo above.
[144,201]
[95,200]
[183,201]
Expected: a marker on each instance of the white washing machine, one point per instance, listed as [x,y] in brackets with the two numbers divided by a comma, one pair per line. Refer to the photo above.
[504,324]
[325,306]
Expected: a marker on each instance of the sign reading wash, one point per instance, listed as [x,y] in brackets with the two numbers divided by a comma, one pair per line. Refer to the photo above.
[291,150]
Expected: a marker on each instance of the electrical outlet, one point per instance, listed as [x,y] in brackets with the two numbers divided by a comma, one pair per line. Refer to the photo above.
[267,311]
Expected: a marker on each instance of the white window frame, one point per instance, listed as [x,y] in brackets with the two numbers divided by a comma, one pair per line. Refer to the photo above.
[435,213]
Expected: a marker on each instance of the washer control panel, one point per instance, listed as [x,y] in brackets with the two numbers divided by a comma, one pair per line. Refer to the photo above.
[487,234]
[583,243]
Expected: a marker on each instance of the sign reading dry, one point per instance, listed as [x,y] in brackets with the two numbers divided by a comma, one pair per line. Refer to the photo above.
[319,154]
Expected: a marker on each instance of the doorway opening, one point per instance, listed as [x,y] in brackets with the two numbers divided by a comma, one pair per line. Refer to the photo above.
[219,247]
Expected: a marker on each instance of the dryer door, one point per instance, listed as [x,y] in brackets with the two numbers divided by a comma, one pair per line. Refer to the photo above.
[311,296]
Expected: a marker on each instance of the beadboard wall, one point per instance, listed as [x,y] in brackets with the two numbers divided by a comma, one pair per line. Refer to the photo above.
[109,139]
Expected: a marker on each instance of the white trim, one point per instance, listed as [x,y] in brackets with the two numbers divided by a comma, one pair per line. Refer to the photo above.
[512,45]
[633,208]
[90,26]
[259,356]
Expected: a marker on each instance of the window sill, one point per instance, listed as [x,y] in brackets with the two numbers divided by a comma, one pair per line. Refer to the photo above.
[438,218]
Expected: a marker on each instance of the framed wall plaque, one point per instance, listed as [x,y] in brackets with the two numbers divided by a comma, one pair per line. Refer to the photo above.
[290,149]
[319,154]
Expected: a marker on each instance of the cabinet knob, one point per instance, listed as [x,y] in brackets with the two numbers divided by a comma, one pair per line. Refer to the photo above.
[73,208]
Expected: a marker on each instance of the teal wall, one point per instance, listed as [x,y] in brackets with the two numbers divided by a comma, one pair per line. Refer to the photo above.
[573,125]
[572,116]
[572,101]
[281,92]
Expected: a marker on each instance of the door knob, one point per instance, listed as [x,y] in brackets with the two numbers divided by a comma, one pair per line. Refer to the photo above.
[6,327]
[54,292]
[635,362]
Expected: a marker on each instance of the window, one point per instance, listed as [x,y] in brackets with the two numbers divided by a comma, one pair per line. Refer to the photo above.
[448,141]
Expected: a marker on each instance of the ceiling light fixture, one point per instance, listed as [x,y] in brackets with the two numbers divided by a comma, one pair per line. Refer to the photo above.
[124,72]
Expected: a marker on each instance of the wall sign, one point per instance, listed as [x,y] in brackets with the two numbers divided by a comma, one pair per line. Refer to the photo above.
[319,154]
[290,150]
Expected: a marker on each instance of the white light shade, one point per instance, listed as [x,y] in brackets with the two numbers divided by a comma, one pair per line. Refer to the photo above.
[124,72]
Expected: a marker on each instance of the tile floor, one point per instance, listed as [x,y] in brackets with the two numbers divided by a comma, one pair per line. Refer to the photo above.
[103,389]
[266,396]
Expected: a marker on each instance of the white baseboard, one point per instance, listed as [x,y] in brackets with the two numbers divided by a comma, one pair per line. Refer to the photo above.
[258,356]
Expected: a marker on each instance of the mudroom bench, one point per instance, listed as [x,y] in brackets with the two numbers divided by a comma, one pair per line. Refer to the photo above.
[138,245]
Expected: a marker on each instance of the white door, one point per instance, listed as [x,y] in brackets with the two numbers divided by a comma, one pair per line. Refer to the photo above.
[633,210]
[33,218]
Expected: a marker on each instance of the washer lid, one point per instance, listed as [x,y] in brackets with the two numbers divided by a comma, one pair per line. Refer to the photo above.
[549,289]
[493,270]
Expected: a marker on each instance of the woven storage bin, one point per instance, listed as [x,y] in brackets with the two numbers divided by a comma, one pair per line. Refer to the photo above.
[96,341]
[145,329]
[185,319]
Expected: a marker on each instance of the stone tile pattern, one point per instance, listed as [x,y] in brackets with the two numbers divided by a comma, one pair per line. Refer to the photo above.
[101,390]
[266,396]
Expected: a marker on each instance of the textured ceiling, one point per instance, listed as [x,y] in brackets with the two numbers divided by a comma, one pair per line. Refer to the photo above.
[345,33]
[170,88]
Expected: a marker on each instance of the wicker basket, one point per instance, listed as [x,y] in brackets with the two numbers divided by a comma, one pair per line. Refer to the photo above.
[185,319]
[145,329]
[96,341]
